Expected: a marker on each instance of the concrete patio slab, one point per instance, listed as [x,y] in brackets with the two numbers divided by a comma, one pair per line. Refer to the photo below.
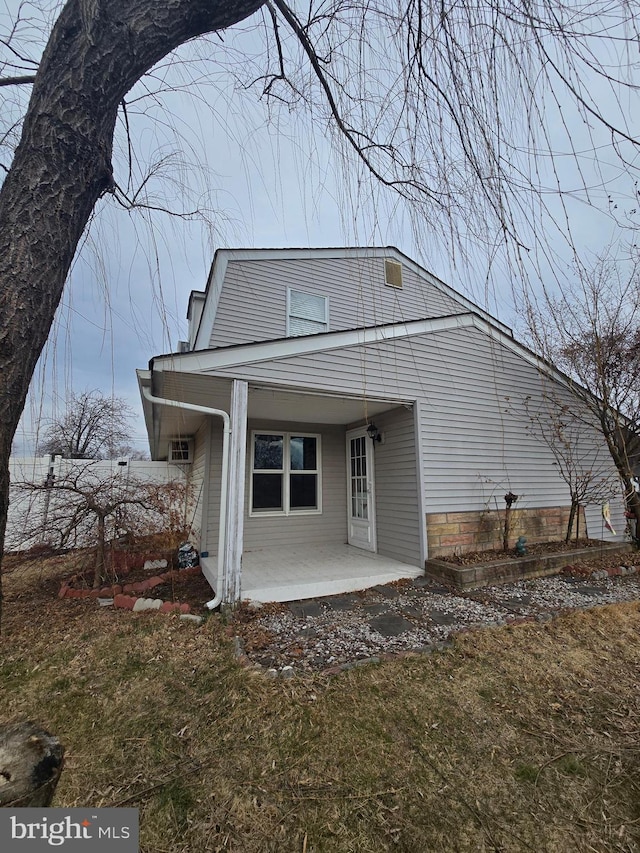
[300,572]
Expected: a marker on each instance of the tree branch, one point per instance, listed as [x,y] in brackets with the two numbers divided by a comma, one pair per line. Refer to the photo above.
[16,81]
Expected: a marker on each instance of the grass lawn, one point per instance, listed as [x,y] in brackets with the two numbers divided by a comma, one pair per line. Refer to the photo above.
[517,738]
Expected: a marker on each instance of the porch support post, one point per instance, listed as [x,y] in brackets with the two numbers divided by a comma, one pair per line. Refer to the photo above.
[422,502]
[235,495]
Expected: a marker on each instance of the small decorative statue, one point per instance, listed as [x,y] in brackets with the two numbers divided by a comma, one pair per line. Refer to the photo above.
[520,546]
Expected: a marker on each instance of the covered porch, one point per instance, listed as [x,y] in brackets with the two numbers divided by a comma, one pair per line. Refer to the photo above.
[365,493]
[290,573]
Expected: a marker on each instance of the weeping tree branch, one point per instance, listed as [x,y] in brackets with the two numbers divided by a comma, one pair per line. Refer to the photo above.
[62,165]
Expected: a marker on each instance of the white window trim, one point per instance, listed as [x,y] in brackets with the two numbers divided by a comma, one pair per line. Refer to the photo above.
[291,290]
[286,511]
[174,448]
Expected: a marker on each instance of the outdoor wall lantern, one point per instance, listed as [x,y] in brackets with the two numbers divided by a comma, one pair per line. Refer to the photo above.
[374,433]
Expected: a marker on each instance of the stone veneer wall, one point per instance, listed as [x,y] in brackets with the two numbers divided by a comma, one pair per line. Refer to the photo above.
[458,532]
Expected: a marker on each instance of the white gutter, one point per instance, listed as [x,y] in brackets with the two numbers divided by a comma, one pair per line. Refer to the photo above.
[226,432]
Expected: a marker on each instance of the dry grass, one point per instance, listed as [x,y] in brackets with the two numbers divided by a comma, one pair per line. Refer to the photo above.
[515,739]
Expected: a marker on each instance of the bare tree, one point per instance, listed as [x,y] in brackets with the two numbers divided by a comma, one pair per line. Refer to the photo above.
[90,505]
[445,104]
[592,333]
[582,467]
[92,427]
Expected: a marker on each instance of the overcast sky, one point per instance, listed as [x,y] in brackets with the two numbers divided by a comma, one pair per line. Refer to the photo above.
[266,182]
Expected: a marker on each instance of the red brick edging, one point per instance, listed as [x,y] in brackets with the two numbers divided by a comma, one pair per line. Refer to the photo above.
[121,592]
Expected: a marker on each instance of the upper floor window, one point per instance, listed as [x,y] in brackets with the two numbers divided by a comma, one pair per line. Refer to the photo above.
[307,313]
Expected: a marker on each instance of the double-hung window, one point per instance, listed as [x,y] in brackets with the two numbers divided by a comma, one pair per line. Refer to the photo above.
[307,314]
[285,473]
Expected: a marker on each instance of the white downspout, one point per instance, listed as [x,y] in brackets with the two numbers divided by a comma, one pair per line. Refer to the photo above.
[226,432]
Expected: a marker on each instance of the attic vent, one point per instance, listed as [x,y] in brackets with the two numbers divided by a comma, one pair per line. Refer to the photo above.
[183,346]
[393,273]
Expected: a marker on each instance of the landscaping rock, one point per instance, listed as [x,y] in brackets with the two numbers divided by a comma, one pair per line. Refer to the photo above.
[341,602]
[151,565]
[126,602]
[440,617]
[147,604]
[308,607]
[390,624]
[336,635]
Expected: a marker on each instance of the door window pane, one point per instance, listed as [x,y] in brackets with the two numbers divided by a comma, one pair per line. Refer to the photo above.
[359,484]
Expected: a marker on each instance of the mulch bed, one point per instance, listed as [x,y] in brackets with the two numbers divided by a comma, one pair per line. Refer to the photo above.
[184,589]
[472,558]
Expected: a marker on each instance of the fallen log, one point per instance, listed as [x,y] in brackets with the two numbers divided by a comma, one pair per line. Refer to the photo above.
[31,761]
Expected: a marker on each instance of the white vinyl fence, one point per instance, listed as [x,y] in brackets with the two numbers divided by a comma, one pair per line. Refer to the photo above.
[35,515]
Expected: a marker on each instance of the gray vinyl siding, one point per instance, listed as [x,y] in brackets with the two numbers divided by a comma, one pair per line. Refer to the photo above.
[396,488]
[475,432]
[210,534]
[329,526]
[595,521]
[197,480]
[252,304]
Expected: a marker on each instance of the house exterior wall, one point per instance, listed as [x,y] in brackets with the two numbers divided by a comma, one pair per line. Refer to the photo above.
[396,488]
[198,481]
[270,531]
[210,531]
[476,437]
[252,305]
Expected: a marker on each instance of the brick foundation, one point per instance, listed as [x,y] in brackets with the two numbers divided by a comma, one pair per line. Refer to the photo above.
[482,530]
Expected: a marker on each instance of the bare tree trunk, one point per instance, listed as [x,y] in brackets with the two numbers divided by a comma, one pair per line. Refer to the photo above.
[62,165]
[31,761]
[572,516]
[99,572]
[507,529]
[633,505]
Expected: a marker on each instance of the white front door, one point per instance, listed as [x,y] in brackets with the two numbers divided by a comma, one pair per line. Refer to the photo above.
[360,494]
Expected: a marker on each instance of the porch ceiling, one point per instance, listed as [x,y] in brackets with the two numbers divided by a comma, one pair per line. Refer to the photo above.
[266,402]
[274,404]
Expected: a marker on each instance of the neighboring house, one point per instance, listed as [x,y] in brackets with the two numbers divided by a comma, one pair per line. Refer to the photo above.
[307,353]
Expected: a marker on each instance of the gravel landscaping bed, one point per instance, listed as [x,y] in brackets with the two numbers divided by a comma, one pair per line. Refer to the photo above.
[339,631]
